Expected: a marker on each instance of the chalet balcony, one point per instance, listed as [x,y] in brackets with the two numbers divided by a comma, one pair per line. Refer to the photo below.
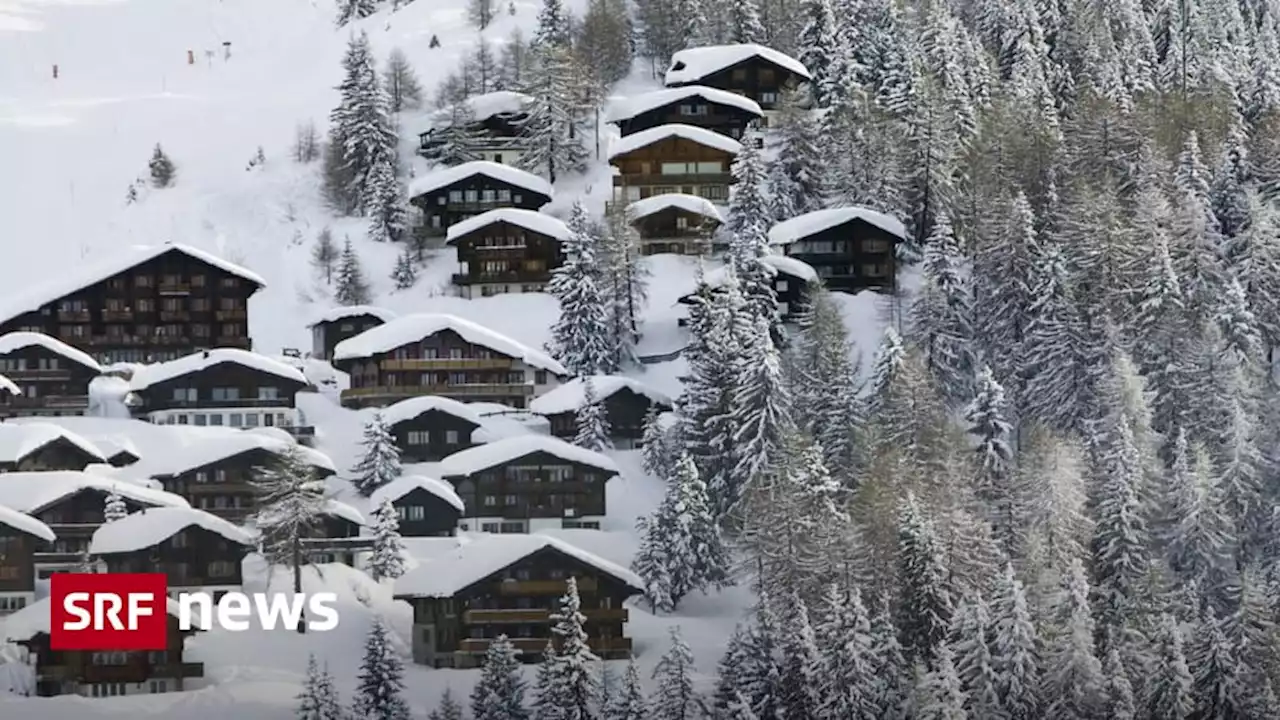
[543,587]
[175,289]
[117,316]
[225,315]
[73,316]
[515,617]
[175,316]
[228,341]
[134,672]
[36,375]
[170,340]
[48,402]
[659,180]
[403,391]
[611,646]
[447,364]
[206,403]
[507,277]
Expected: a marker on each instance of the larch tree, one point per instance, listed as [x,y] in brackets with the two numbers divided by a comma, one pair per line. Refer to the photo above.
[324,254]
[555,120]
[404,91]
[387,559]
[290,505]
[625,277]
[604,40]
[379,462]
[580,336]
[380,683]
[674,697]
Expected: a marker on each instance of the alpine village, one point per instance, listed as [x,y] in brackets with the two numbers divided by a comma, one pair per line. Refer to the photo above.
[902,360]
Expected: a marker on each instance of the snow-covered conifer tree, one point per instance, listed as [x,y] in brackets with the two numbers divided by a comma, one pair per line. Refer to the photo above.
[658,451]
[114,508]
[762,405]
[580,336]
[405,273]
[349,10]
[499,695]
[289,505]
[1013,650]
[843,633]
[352,288]
[802,665]
[625,280]
[449,708]
[388,549]
[1120,700]
[567,683]
[554,24]
[630,704]
[942,315]
[797,172]
[592,420]
[1003,280]
[362,135]
[942,697]
[1220,687]
[744,22]
[827,385]
[318,699]
[380,684]
[162,168]
[995,484]
[818,46]
[748,225]
[1171,688]
[971,632]
[380,462]
[1120,548]
[926,607]
[1073,687]
[891,667]
[403,89]
[674,697]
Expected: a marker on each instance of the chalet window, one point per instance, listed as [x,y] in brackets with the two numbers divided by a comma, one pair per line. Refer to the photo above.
[510,500]
[517,199]
[226,393]
[146,305]
[197,280]
[158,686]
[251,420]
[48,363]
[781,286]
[435,221]
[875,245]
[739,75]
[561,473]
[12,604]
[116,283]
[9,572]
[227,303]
[875,270]
[184,394]
[490,500]
[143,281]
[72,306]
[540,377]
[220,476]
[784,309]
[471,196]
[268,419]
[202,476]
[111,657]
[556,574]
[231,330]
[455,196]
[221,569]
[171,304]
[504,196]
[229,282]
[457,378]
[430,353]
[235,420]
[179,541]
[416,513]
[268,392]
[522,574]
[451,437]
[488,196]
[419,437]
[768,98]
[489,527]
[201,419]
[183,420]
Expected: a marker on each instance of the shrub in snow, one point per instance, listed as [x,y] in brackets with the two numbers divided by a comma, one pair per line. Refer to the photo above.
[114,508]
[380,463]
[162,168]
[318,699]
[380,684]
[388,549]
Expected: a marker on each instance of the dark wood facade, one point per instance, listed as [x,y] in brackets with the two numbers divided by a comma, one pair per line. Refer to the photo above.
[52,384]
[852,256]
[326,334]
[675,230]
[74,519]
[499,138]
[170,305]
[107,674]
[468,197]
[537,486]
[59,454]
[224,487]
[518,602]
[673,165]
[754,77]
[191,558]
[432,436]
[17,567]
[440,364]
[728,120]
[625,411]
[505,257]
[336,539]
[425,514]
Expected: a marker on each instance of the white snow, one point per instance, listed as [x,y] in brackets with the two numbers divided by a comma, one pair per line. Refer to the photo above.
[697,63]
[774,264]
[629,107]
[152,526]
[483,555]
[802,226]
[339,509]
[483,107]
[502,173]
[413,407]
[528,219]
[18,340]
[33,620]
[690,203]
[25,523]
[414,328]
[570,396]
[147,375]
[644,138]
[8,386]
[31,492]
[17,441]
[482,457]
[503,421]
[341,312]
[406,484]
[67,280]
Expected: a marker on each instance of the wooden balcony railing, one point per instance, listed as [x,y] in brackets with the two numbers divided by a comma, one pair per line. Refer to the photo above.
[447,364]
[536,645]
[174,316]
[388,391]
[74,316]
[174,288]
[543,587]
[515,277]
[239,314]
[117,315]
[661,180]
[503,617]
[233,341]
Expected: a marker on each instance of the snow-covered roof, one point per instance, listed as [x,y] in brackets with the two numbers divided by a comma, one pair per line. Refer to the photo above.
[155,373]
[31,492]
[483,107]
[570,396]
[8,386]
[415,406]
[530,220]
[414,328]
[18,340]
[33,620]
[25,523]
[802,226]
[502,173]
[68,278]
[503,421]
[339,509]
[406,484]
[629,107]
[470,562]
[645,138]
[342,312]
[152,526]
[694,64]
[113,445]
[774,264]
[17,441]
[482,457]
[657,203]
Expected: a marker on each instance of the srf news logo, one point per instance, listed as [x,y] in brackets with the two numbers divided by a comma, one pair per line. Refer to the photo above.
[130,611]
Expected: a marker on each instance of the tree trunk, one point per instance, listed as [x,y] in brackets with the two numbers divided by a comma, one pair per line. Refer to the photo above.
[297,581]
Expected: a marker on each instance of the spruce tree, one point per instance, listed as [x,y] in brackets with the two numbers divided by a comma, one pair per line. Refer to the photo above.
[658,451]
[387,560]
[449,708]
[380,684]
[405,273]
[349,10]
[380,462]
[499,695]
[818,47]
[926,605]
[630,704]
[352,288]
[762,405]
[674,697]
[843,633]
[971,633]
[567,683]
[942,315]
[114,508]
[1073,687]
[1171,688]
[592,420]
[796,174]
[580,336]
[1013,651]
[1120,699]
[362,137]
[942,695]
[995,484]
[802,665]
[318,699]
[892,669]
[163,171]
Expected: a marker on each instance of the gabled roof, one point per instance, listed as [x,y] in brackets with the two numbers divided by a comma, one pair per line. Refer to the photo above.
[155,373]
[152,526]
[694,64]
[339,509]
[406,484]
[414,328]
[503,173]
[571,395]
[31,492]
[475,559]
[487,105]
[802,226]
[528,219]
[18,340]
[18,441]
[343,312]
[25,523]
[773,264]
[67,279]
[415,406]
[689,203]
[482,457]
[627,108]
[645,138]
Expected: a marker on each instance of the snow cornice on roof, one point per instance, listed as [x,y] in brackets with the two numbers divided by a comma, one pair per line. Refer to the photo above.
[10,342]
[27,524]
[19,441]
[487,105]
[502,173]
[415,406]
[483,457]
[147,375]
[31,492]
[571,396]
[530,220]
[342,312]
[152,526]
[628,108]
[694,64]
[415,328]
[689,203]
[698,135]
[803,226]
[406,484]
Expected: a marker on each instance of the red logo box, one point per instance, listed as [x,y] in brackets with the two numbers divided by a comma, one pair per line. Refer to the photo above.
[108,611]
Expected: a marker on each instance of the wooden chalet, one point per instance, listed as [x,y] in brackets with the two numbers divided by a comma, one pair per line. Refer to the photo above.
[793,281]
[222,387]
[71,504]
[144,305]
[426,507]
[626,402]
[196,551]
[527,483]
[48,376]
[119,450]
[754,71]
[344,322]
[719,111]
[673,159]
[507,250]
[101,674]
[21,537]
[510,585]
[675,223]
[37,446]
[437,354]
[451,195]
[492,126]
[337,538]
[429,428]
[851,248]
